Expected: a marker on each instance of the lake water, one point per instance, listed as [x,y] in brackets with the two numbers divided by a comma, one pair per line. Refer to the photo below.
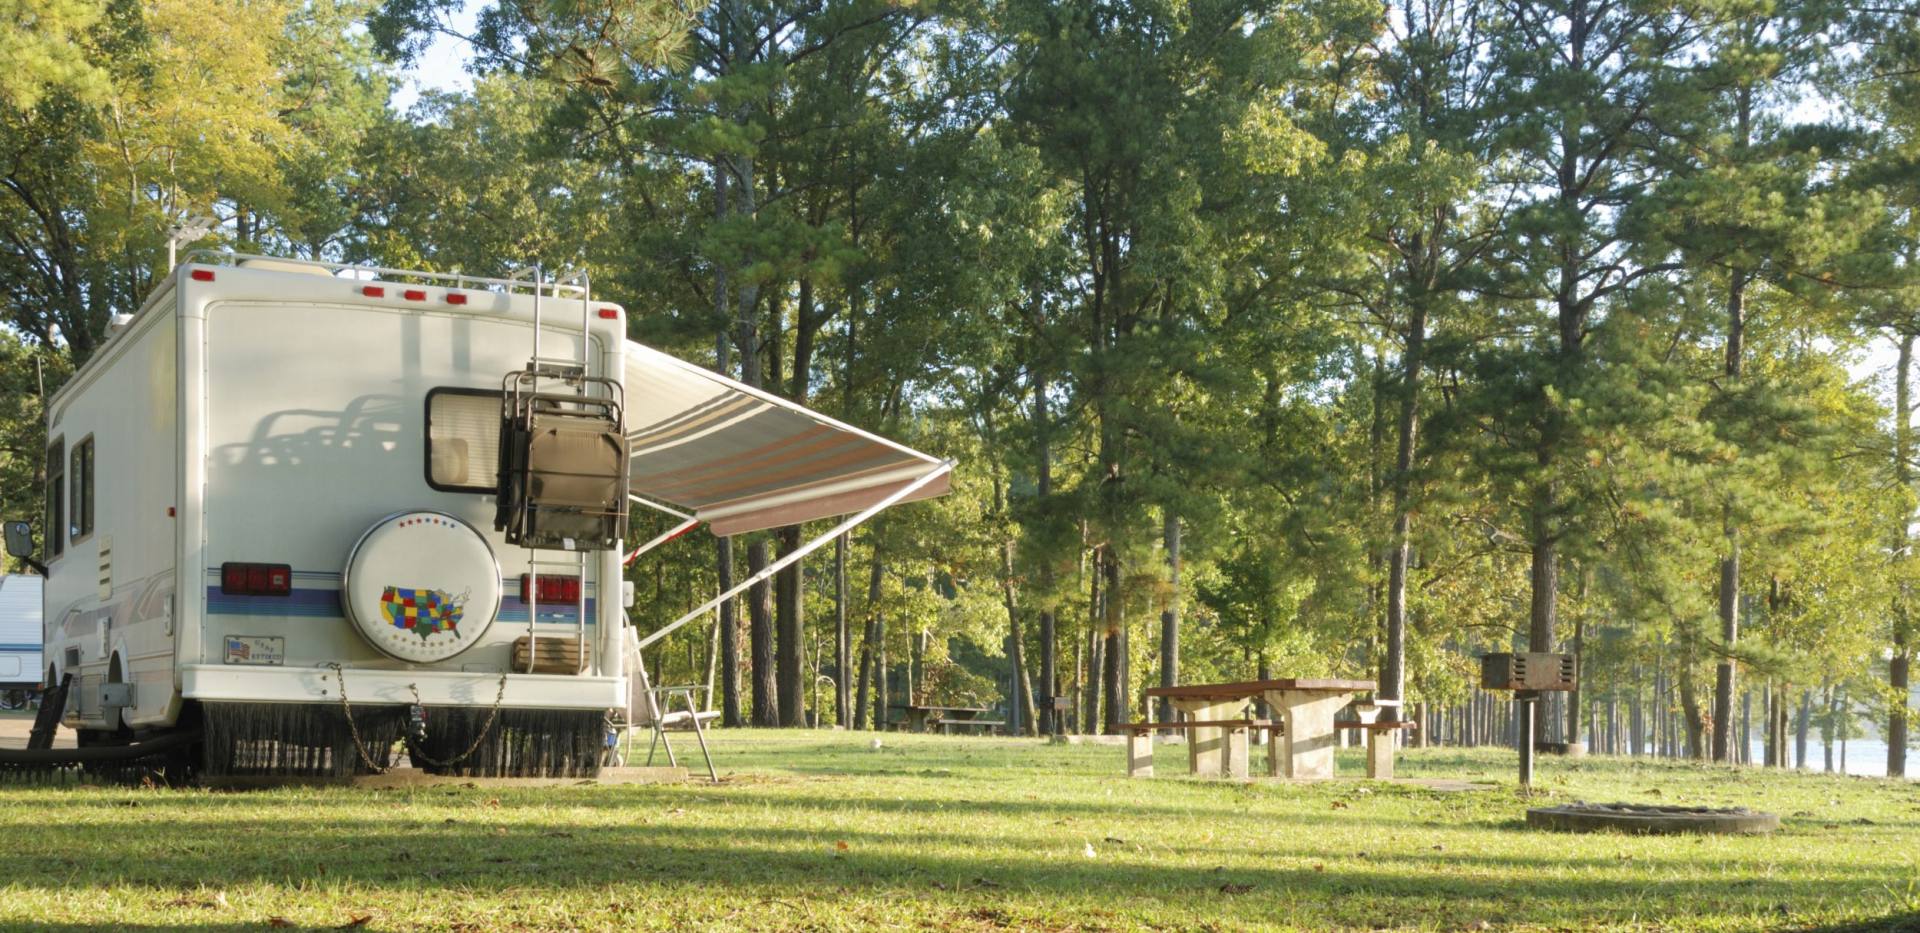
[1865,757]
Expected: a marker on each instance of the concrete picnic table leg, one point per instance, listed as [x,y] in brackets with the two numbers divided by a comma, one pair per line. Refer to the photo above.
[1380,754]
[1308,736]
[1207,752]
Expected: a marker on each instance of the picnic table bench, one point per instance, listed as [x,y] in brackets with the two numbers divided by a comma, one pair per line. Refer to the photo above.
[945,719]
[1304,735]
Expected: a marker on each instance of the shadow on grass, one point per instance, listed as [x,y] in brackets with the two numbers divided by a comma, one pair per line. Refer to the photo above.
[474,853]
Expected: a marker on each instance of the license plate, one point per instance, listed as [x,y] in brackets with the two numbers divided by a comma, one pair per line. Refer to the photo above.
[256,649]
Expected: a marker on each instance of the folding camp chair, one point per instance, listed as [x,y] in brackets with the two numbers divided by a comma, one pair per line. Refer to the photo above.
[649,706]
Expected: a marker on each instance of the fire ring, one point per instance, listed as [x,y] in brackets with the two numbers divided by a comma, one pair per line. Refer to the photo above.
[1651,819]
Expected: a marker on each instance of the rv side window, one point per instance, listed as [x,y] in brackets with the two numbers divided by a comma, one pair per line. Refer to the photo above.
[56,497]
[463,440]
[82,507]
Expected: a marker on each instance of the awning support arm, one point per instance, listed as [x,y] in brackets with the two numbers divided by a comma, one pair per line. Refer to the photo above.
[657,507]
[852,522]
[688,523]
[670,534]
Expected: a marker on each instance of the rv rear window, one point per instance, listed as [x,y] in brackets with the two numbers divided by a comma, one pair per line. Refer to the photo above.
[463,440]
[82,507]
[56,498]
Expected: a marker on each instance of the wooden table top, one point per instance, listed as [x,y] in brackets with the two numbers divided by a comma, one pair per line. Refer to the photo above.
[944,709]
[1253,688]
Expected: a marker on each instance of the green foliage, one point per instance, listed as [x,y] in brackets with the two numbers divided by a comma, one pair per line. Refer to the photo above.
[1203,262]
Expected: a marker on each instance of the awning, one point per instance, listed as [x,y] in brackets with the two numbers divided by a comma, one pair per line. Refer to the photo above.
[742,460]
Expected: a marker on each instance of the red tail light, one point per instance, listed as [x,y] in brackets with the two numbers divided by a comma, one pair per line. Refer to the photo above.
[373,291]
[608,314]
[245,579]
[553,589]
[414,294]
[455,298]
[202,275]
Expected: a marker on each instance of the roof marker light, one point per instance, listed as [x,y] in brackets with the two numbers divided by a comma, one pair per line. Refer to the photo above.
[608,314]
[202,275]
[414,294]
[455,298]
[373,291]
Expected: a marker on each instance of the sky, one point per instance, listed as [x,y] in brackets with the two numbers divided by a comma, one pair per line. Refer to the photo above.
[442,67]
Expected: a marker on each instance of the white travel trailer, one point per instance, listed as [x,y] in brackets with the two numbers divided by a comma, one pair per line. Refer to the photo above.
[20,667]
[307,510]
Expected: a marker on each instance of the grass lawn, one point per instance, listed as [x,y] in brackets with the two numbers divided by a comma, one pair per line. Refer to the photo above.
[820,831]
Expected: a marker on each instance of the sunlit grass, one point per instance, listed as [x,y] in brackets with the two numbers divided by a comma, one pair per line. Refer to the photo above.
[820,831]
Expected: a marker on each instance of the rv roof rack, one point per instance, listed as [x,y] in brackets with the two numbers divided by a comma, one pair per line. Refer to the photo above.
[570,287]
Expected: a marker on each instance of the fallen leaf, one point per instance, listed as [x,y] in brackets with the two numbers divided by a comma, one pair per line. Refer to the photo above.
[356,920]
[1319,867]
[1116,840]
[1232,888]
[279,922]
[841,845]
[1339,805]
[493,802]
[987,883]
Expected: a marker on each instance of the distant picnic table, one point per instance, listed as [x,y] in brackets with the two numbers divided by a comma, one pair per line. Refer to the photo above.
[1304,735]
[921,718]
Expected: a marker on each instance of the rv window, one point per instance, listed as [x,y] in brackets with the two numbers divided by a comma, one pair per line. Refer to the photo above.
[463,440]
[82,519]
[56,497]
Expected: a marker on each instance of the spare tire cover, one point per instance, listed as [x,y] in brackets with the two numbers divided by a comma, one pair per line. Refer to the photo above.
[421,586]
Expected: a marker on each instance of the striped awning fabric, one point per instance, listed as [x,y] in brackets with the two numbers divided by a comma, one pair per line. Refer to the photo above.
[742,460]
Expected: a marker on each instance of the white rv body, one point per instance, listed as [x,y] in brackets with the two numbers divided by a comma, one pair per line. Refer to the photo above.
[20,632]
[271,413]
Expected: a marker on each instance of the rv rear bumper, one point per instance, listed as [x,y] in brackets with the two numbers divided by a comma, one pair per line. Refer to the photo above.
[372,687]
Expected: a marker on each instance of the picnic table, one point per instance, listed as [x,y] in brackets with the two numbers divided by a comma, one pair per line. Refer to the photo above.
[922,718]
[1305,739]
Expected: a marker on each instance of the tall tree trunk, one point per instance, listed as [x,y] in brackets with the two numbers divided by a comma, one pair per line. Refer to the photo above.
[1049,679]
[790,583]
[1899,665]
[1573,696]
[1093,677]
[882,695]
[882,698]
[1170,616]
[1690,709]
[744,200]
[1545,574]
[842,637]
[729,623]
[790,630]
[1393,676]
[866,671]
[1115,649]
[766,697]
[1724,674]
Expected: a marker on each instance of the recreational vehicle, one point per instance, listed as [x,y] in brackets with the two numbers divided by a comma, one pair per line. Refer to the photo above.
[307,511]
[19,638]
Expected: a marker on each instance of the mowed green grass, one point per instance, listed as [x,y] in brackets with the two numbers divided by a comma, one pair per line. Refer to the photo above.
[819,831]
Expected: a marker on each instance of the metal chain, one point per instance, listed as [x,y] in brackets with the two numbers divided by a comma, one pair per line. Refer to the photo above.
[360,745]
[492,715]
[352,727]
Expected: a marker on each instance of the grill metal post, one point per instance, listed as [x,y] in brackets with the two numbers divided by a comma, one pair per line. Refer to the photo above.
[1523,711]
